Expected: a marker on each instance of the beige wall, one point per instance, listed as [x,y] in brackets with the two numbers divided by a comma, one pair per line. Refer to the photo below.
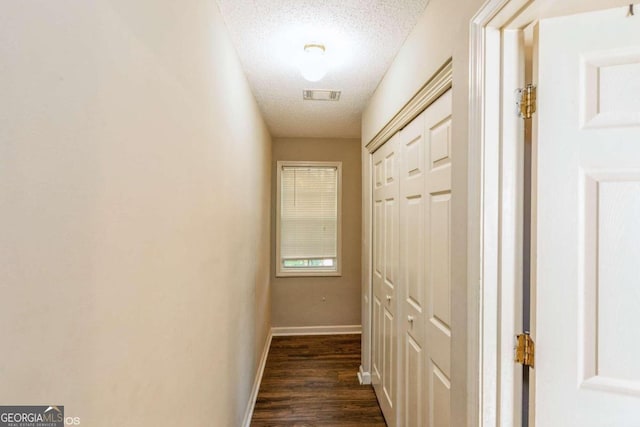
[298,301]
[134,213]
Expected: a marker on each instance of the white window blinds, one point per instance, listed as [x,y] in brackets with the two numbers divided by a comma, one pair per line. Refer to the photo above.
[309,215]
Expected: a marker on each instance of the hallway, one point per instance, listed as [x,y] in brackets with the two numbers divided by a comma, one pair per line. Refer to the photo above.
[310,380]
[187,189]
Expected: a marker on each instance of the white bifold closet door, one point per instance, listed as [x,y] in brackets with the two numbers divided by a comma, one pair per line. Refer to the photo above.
[384,338]
[421,200]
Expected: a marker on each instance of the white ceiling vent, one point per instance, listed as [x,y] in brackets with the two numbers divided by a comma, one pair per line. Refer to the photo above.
[321,95]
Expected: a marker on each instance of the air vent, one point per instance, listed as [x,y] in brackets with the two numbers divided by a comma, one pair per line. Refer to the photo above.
[321,95]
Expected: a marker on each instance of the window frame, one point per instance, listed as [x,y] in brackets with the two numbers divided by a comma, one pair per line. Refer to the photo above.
[281,271]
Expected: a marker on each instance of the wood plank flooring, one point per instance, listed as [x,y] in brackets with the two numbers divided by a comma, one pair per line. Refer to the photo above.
[311,381]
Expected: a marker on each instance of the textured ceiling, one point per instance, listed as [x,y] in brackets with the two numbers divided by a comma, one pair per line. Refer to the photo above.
[361,37]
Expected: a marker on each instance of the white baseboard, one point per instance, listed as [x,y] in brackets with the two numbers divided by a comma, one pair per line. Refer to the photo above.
[316,330]
[248,415]
[364,377]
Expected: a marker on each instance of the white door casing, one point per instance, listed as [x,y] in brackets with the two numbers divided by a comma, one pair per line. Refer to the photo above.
[384,337]
[588,221]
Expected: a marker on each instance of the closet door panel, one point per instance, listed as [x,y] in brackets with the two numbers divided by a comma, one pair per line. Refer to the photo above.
[385,277]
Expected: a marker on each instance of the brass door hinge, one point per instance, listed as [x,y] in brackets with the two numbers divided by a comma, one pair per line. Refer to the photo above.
[525,350]
[526,101]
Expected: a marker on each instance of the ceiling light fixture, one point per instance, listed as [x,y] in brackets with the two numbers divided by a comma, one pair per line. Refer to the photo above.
[313,65]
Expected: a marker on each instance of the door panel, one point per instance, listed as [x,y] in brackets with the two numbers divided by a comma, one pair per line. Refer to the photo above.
[424,321]
[378,272]
[412,289]
[390,247]
[376,335]
[437,259]
[414,383]
[388,353]
[384,333]
[612,281]
[439,234]
[440,397]
[588,228]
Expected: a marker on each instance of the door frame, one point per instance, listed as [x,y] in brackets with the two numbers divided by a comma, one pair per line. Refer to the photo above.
[494,223]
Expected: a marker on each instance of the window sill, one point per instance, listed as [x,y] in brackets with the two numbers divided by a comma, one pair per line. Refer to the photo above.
[309,273]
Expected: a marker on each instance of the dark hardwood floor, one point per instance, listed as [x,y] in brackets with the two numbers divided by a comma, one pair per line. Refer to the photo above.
[311,381]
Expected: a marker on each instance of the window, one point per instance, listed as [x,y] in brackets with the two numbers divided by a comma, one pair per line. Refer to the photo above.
[308,219]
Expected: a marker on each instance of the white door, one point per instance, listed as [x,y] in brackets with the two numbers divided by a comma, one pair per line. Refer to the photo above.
[412,273]
[425,242]
[438,261]
[385,272]
[587,327]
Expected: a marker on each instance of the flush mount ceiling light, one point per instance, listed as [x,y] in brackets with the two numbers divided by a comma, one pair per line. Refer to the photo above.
[313,65]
